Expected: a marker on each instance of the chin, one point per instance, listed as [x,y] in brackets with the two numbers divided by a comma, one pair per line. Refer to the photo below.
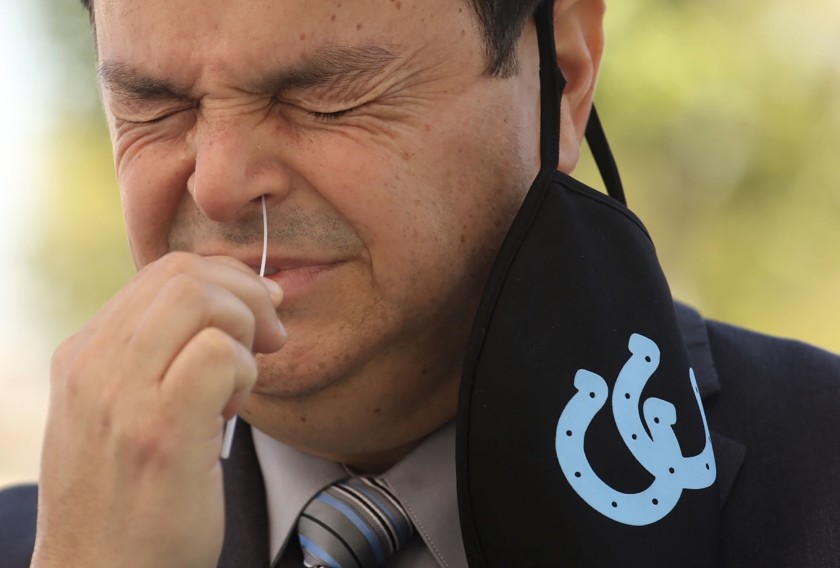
[283,381]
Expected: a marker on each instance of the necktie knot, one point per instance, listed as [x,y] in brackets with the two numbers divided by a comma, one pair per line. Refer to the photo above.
[355,523]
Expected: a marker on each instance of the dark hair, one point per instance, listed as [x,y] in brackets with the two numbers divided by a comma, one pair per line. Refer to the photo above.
[502,22]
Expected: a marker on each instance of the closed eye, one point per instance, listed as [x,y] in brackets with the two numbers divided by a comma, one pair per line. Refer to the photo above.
[330,116]
[319,116]
[157,119]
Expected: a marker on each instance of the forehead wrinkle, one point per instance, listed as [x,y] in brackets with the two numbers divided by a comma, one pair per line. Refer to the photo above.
[329,67]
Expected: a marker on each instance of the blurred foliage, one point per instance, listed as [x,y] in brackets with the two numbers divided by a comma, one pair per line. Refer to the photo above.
[85,244]
[84,254]
[725,121]
[724,116]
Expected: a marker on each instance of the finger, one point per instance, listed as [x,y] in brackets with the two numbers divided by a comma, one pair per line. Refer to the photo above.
[210,379]
[183,308]
[273,287]
[139,334]
[260,295]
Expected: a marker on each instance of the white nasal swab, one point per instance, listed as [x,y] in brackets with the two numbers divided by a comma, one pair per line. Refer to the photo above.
[227,443]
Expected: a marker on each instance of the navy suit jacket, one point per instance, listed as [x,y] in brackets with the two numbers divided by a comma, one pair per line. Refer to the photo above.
[773,408]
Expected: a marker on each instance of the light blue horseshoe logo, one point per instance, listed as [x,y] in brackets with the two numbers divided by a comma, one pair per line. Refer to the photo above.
[655,447]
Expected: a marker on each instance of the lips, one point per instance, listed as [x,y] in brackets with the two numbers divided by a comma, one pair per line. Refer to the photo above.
[297,276]
[275,266]
[302,279]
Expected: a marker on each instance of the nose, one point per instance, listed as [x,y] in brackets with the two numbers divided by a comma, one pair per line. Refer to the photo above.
[235,164]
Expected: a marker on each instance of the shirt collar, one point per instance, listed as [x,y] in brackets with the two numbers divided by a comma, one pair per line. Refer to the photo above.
[424,482]
[291,479]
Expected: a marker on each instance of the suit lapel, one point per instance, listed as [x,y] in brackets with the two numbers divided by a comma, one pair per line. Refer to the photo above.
[246,517]
[729,453]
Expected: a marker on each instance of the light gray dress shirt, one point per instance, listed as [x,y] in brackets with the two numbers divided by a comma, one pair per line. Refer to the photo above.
[423,481]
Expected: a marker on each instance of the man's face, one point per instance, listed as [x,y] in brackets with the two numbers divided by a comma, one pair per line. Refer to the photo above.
[391,165]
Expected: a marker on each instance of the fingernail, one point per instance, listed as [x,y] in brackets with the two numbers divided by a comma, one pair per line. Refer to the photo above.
[274,289]
[282,329]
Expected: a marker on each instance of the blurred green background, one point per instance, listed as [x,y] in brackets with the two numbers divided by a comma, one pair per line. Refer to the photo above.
[724,117]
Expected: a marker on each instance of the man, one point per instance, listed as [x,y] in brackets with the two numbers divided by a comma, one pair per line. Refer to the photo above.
[393,143]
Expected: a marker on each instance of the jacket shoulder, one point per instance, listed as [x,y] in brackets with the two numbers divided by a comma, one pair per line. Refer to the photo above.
[18,511]
[781,400]
[779,397]
[753,365]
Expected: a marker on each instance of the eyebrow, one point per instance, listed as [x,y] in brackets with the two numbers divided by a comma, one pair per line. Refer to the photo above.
[332,67]
[123,79]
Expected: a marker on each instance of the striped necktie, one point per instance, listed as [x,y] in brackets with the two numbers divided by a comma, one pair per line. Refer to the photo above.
[356,523]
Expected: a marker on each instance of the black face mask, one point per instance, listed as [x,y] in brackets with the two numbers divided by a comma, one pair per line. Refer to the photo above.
[581,437]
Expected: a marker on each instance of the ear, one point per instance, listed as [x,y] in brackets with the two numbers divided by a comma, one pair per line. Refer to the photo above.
[579,40]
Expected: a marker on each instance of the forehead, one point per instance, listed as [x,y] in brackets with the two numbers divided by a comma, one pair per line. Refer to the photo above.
[192,38]
[220,25]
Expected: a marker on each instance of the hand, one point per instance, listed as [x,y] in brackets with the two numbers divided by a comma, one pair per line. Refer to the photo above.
[130,472]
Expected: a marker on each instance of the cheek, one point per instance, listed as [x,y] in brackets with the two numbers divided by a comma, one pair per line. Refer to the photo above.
[152,173]
[431,205]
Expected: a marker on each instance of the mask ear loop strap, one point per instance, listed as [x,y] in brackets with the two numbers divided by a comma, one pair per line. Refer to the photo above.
[604,159]
[552,85]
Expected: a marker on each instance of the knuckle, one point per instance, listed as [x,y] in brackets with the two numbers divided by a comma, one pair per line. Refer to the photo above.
[184,290]
[69,380]
[147,443]
[218,347]
[178,263]
[68,367]
[62,358]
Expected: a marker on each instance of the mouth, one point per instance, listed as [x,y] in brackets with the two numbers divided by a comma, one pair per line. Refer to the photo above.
[299,277]
[278,267]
